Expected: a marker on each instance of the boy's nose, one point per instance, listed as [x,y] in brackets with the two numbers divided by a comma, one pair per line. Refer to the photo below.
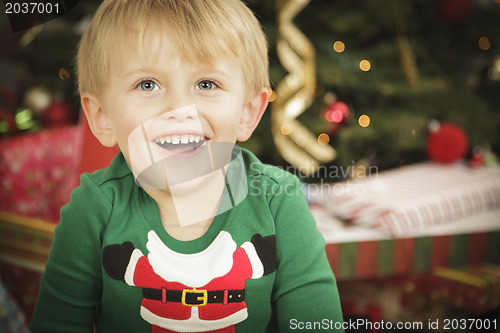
[184,113]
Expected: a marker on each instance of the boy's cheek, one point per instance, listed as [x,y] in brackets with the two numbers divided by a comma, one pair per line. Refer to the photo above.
[138,152]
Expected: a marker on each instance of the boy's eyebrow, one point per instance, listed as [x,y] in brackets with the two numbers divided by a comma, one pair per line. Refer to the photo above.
[137,72]
[200,71]
[223,73]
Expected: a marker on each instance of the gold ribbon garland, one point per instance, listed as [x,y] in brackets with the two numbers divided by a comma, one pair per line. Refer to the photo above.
[407,57]
[295,93]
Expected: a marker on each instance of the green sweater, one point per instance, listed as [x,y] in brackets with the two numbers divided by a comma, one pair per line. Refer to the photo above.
[260,267]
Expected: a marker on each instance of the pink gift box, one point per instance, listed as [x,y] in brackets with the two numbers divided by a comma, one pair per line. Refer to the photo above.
[414,197]
[37,172]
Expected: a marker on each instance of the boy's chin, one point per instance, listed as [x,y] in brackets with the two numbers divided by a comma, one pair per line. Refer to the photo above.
[210,184]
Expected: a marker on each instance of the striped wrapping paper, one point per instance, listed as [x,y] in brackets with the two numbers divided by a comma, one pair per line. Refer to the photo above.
[413,197]
[406,256]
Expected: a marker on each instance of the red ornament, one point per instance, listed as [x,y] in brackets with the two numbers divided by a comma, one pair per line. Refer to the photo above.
[477,160]
[336,112]
[58,114]
[447,144]
[454,11]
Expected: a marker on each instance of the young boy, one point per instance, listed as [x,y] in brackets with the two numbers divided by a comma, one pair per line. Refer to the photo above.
[183,232]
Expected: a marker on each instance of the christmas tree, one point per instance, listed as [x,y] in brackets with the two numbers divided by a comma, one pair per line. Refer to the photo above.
[398,65]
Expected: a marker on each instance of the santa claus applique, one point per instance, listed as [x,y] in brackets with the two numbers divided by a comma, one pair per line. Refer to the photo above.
[200,292]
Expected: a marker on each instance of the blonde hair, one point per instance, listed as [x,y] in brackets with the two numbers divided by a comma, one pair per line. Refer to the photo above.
[202,30]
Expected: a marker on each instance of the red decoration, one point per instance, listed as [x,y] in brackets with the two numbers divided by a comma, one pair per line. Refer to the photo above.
[58,114]
[7,106]
[37,172]
[336,112]
[477,159]
[447,144]
[454,11]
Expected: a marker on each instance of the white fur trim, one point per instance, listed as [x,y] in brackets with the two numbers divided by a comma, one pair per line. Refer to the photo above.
[257,267]
[129,272]
[194,270]
[194,323]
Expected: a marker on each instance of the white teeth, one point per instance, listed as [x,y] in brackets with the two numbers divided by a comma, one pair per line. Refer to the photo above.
[179,139]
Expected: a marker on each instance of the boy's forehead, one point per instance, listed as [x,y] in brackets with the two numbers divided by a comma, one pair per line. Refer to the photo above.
[157,44]
[159,36]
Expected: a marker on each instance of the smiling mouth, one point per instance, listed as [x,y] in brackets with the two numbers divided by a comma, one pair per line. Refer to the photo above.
[180,142]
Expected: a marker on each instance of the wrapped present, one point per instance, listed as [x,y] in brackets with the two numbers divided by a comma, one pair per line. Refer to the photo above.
[402,300]
[414,197]
[37,172]
[417,255]
[475,291]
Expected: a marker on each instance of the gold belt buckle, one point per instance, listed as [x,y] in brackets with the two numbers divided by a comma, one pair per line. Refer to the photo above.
[203,297]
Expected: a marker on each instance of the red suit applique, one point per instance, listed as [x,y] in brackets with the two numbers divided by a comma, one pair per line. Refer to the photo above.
[192,301]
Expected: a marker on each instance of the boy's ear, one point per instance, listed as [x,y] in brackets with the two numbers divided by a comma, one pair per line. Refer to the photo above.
[98,120]
[252,113]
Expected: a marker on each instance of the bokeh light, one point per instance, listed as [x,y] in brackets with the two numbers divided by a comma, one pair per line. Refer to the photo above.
[364,120]
[334,116]
[336,112]
[272,95]
[323,139]
[286,129]
[484,43]
[339,46]
[365,65]
[64,74]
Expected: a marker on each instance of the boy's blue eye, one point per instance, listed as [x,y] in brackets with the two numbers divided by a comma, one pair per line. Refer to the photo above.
[206,85]
[148,85]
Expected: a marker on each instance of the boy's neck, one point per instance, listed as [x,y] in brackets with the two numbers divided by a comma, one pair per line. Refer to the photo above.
[190,232]
[187,215]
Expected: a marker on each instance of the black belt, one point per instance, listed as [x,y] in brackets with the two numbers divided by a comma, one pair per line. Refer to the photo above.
[194,297]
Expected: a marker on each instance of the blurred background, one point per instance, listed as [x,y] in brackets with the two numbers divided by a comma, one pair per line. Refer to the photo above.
[388,84]
[400,64]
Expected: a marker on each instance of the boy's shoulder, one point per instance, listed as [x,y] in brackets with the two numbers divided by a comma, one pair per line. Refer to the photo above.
[116,171]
